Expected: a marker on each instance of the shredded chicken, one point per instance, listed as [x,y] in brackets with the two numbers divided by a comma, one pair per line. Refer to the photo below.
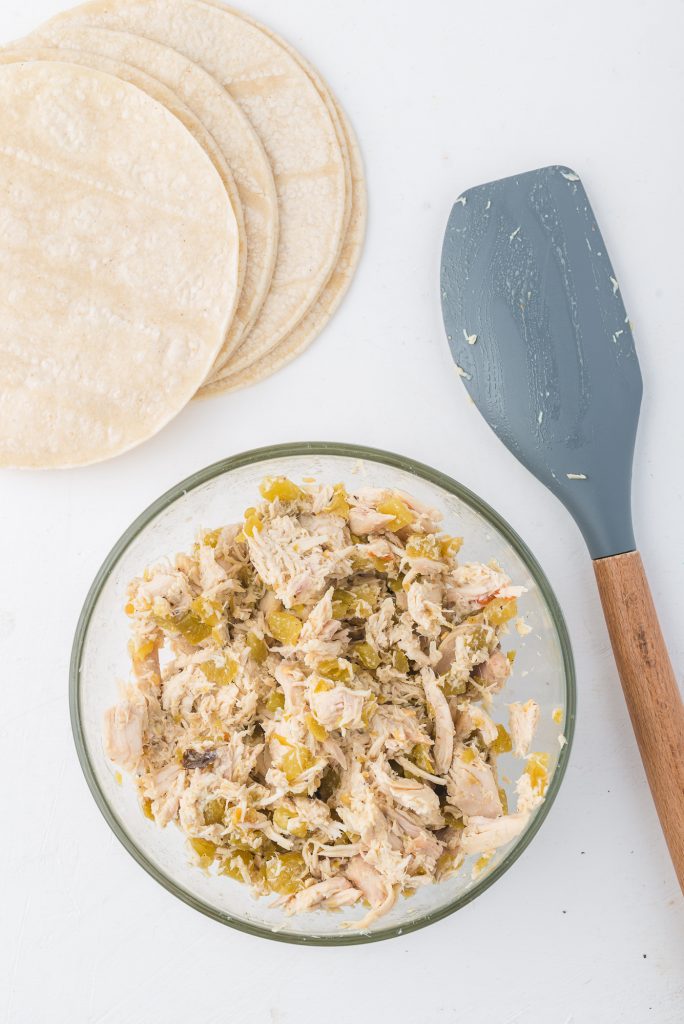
[123,733]
[306,700]
[522,723]
[482,835]
[438,708]
[472,784]
[494,672]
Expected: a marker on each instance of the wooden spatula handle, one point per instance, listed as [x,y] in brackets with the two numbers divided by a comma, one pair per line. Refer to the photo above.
[651,691]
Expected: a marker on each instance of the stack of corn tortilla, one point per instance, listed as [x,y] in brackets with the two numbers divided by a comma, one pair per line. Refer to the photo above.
[185,210]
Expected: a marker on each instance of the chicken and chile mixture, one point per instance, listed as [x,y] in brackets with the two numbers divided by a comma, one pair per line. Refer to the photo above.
[310,700]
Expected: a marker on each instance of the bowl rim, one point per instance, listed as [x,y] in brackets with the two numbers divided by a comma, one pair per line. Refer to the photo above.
[315,448]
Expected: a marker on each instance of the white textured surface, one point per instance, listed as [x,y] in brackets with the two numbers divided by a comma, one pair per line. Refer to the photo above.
[467,93]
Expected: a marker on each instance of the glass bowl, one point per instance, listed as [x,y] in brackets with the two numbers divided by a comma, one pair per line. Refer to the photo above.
[219,494]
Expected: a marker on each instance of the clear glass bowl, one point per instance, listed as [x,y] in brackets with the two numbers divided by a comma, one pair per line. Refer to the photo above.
[217,495]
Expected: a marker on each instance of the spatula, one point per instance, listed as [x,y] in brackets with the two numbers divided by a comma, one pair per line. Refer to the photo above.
[540,337]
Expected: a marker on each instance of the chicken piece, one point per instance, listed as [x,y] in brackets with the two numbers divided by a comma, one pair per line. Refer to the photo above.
[343,898]
[340,850]
[322,498]
[281,734]
[166,585]
[124,726]
[321,623]
[333,751]
[269,603]
[291,679]
[375,912]
[419,798]
[231,705]
[483,835]
[226,539]
[368,880]
[164,789]
[339,708]
[438,706]
[528,799]
[359,808]
[532,785]
[146,669]
[329,532]
[193,800]
[379,549]
[395,730]
[295,563]
[181,690]
[379,625]
[472,585]
[493,673]
[365,521]
[412,769]
[402,636]
[472,718]
[522,723]
[212,576]
[423,567]
[366,819]
[425,607]
[189,567]
[413,795]
[317,650]
[420,842]
[471,784]
[238,757]
[428,519]
[316,815]
[465,646]
[313,895]
[322,636]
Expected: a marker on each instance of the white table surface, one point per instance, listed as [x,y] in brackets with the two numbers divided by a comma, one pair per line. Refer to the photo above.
[588,925]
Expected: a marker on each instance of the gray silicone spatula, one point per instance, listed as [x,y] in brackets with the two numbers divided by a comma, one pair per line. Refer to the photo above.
[540,337]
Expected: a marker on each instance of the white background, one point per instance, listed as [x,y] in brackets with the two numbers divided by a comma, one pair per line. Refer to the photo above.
[588,925]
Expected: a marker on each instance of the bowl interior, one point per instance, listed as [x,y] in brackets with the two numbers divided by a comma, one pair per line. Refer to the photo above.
[218,495]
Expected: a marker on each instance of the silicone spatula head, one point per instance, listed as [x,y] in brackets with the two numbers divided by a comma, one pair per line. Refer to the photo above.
[541,340]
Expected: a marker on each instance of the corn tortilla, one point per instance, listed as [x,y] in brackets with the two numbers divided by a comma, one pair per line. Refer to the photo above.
[117,291]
